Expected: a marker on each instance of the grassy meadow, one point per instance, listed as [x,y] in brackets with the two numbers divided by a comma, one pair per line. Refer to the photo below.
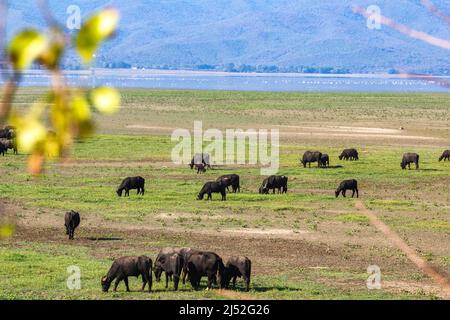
[305,244]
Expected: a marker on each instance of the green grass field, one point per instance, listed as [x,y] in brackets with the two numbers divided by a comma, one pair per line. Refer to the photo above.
[304,245]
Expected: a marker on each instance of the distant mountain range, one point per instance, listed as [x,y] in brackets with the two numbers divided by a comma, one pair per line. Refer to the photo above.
[256,35]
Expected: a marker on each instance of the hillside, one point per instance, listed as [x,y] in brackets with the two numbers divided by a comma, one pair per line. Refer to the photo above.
[280,33]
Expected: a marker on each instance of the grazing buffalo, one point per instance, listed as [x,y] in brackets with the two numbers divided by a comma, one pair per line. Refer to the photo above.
[348,185]
[200,158]
[230,180]
[9,144]
[311,156]
[125,267]
[71,221]
[409,158]
[185,253]
[200,168]
[212,187]
[349,154]
[445,155]
[201,264]
[274,182]
[324,161]
[172,264]
[131,183]
[237,267]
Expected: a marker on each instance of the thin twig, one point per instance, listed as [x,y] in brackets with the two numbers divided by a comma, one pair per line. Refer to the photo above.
[46,13]
[425,37]
[10,85]
[436,11]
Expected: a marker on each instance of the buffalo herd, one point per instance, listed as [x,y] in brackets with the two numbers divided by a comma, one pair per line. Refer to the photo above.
[180,264]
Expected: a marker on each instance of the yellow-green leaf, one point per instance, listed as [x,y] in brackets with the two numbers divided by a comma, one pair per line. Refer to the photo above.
[96,29]
[80,108]
[6,231]
[105,99]
[25,47]
[29,134]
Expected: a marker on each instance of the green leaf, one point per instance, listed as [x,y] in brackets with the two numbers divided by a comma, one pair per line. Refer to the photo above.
[98,28]
[105,99]
[25,47]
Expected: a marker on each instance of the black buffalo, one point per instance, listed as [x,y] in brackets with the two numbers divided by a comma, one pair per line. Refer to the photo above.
[324,160]
[348,185]
[311,156]
[200,158]
[185,253]
[230,180]
[237,267]
[200,168]
[71,222]
[274,182]
[445,155]
[212,187]
[125,267]
[207,264]
[7,133]
[349,154]
[131,183]
[9,144]
[409,158]
[172,265]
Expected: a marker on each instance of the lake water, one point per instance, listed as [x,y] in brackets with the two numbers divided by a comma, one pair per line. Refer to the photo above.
[156,79]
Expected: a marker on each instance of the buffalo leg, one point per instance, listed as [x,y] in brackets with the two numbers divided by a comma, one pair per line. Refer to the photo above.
[357,193]
[149,280]
[176,280]
[184,276]
[247,283]
[117,282]
[343,193]
[167,280]
[209,196]
[210,281]
[125,279]
[353,193]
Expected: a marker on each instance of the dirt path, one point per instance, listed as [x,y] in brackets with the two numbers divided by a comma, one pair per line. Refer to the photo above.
[421,263]
[319,131]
